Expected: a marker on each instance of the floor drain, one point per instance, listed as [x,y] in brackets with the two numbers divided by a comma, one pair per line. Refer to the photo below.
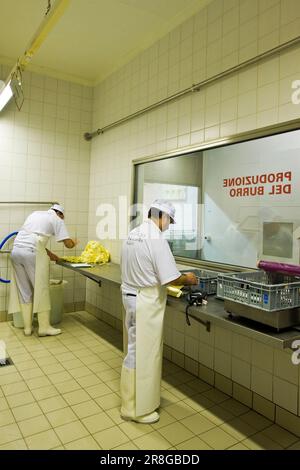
[6,362]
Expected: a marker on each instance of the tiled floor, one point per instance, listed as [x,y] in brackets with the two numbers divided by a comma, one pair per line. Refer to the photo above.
[63,393]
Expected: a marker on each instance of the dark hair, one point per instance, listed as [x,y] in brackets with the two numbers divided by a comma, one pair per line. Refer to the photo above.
[156,213]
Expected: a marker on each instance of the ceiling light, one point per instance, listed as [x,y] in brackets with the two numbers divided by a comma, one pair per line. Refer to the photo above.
[5,94]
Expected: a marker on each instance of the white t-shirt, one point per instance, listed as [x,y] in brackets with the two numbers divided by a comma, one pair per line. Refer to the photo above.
[41,223]
[146,259]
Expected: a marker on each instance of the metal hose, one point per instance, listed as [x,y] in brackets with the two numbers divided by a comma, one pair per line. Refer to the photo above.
[2,243]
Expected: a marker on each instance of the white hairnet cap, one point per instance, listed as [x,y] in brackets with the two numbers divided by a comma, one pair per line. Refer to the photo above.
[58,207]
[164,206]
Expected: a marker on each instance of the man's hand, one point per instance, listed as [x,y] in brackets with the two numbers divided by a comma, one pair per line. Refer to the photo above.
[186,279]
[52,256]
[191,279]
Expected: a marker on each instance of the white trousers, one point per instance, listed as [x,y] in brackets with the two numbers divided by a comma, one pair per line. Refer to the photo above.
[129,303]
[23,260]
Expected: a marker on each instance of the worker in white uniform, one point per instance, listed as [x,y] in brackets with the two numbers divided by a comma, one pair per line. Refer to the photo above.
[148,266]
[29,291]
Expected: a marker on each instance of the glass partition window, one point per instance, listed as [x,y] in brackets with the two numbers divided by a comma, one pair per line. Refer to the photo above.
[234,204]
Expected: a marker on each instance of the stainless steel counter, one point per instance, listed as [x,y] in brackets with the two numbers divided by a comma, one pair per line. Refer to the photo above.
[213,312]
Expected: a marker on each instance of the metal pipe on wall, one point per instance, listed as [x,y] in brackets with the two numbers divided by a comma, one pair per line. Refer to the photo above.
[31,203]
[264,55]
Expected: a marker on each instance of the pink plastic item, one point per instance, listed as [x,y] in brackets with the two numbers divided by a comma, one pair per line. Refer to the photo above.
[284,268]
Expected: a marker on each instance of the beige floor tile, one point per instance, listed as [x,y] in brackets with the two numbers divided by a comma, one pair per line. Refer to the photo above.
[215,395]
[164,419]
[44,392]
[12,389]
[71,432]
[295,446]
[198,423]
[50,369]
[98,422]
[180,410]
[199,402]
[99,367]
[20,444]
[26,411]
[73,364]
[10,378]
[46,360]
[43,441]
[127,446]
[261,442]
[52,404]
[238,446]
[9,433]
[3,404]
[91,359]
[167,398]
[20,399]
[60,377]
[217,415]
[153,440]
[193,444]
[26,365]
[176,433]
[111,374]
[280,435]
[6,417]
[38,382]
[88,380]
[256,420]
[115,415]
[114,384]
[66,356]
[235,407]
[110,438]
[238,429]
[34,425]
[85,443]
[62,416]
[32,373]
[68,386]
[80,372]
[106,402]
[88,408]
[77,396]
[134,430]
[99,390]
[218,439]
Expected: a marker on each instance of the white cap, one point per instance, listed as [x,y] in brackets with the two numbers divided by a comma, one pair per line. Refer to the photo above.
[58,207]
[165,206]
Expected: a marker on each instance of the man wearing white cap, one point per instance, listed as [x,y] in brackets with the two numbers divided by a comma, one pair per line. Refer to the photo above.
[29,291]
[148,266]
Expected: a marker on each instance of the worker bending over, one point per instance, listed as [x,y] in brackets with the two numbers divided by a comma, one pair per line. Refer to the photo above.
[29,292]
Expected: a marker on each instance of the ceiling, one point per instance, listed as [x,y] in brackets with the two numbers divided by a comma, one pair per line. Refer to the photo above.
[93,37]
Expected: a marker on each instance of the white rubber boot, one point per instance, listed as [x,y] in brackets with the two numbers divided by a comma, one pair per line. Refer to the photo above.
[26,310]
[128,399]
[45,329]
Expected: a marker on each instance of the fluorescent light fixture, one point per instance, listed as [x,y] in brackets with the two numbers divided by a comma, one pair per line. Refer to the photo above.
[5,95]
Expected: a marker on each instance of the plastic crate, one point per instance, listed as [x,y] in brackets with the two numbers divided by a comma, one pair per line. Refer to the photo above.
[267,291]
[207,280]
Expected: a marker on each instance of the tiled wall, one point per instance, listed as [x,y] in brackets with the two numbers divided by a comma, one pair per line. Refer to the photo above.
[224,34]
[261,376]
[43,157]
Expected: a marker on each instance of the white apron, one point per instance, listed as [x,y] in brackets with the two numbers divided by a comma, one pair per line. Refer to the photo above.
[150,309]
[41,295]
